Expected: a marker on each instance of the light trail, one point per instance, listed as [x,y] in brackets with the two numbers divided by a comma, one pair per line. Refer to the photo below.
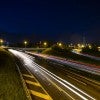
[29,61]
[82,67]
[56,77]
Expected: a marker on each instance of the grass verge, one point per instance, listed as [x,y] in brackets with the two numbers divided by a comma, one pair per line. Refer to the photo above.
[10,83]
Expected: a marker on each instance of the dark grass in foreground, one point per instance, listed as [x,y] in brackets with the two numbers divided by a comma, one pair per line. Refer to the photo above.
[65,53]
[10,83]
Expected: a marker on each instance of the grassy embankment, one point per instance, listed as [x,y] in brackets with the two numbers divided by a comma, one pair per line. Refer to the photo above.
[10,83]
[66,53]
[93,51]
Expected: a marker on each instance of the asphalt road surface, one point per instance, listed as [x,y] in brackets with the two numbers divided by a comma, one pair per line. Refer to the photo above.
[58,84]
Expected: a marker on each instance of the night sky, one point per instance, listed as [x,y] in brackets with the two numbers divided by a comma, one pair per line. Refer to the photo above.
[58,20]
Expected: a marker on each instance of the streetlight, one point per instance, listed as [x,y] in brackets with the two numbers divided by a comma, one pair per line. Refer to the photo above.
[82,45]
[1,41]
[45,44]
[89,45]
[25,42]
[60,44]
[79,45]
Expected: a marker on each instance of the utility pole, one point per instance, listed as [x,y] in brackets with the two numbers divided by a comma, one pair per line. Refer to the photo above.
[84,39]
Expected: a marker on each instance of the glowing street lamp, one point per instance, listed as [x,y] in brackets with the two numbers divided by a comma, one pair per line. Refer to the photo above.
[83,46]
[60,44]
[1,41]
[45,43]
[89,45]
[25,42]
[99,48]
[79,45]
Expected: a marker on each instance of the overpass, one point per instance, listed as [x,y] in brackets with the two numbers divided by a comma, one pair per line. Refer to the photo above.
[27,49]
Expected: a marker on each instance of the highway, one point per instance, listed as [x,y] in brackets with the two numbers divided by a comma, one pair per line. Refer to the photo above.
[58,84]
[83,67]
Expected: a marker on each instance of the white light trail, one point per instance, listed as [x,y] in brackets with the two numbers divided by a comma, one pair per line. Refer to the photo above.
[82,67]
[28,60]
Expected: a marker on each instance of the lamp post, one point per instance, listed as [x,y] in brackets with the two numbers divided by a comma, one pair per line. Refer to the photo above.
[45,44]
[25,42]
[59,44]
[1,42]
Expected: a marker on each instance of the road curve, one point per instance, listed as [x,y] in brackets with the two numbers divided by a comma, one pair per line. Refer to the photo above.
[55,85]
